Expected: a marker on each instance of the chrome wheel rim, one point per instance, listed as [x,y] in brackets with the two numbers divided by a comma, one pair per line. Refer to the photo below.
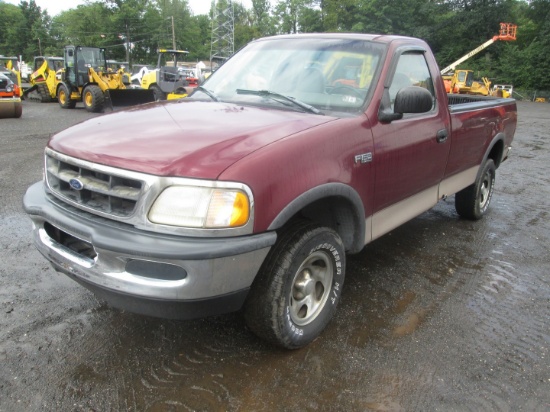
[311,288]
[485,190]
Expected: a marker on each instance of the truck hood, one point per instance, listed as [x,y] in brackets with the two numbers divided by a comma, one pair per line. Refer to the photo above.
[180,138]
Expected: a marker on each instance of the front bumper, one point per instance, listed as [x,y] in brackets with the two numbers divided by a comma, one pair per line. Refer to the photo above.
[144,272]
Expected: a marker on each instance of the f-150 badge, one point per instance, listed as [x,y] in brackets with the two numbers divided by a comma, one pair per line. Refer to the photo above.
[363,158]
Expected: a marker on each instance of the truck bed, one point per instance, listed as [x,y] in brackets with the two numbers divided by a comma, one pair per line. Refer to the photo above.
[461,102]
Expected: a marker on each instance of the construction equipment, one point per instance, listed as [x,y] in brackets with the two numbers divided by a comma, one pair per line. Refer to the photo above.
[46,77]
[123,68]
[10,102]
[138,71]
[502,90]
[507,33]
[86,78]
[462,82]
[190,75]
[9,69]
[166,81]
[115,65]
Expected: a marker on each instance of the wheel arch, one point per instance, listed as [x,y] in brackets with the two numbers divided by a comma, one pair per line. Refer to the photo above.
[65,84]
[334,205]
[495,150]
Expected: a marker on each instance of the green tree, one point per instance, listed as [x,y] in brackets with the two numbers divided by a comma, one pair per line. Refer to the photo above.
[24,28]
[11,20]
[288,13]
[86,25]
[535,39]
[263,21]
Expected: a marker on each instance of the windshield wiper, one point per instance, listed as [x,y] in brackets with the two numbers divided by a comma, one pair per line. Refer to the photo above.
[208,93]
[276,96]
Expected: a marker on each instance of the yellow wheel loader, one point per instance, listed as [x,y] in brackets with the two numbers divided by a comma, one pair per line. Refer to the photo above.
[166,81]
[86,79]
[47,74]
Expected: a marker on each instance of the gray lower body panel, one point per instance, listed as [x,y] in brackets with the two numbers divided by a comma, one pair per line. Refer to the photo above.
[144,272]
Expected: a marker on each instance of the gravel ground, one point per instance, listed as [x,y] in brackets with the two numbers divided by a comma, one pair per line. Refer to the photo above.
[442,314]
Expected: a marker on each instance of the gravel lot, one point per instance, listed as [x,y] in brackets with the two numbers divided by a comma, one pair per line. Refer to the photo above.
[442,314]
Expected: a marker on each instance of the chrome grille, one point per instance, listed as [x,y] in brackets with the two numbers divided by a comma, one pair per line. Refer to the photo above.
[101,192]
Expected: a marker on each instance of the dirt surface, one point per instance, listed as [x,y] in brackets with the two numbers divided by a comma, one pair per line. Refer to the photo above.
[442,314]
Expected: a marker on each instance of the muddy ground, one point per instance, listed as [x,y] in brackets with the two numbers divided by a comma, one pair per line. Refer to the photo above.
[442,314]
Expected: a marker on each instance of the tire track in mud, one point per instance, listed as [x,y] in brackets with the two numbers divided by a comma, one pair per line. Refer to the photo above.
[180,381]
[160,364]
[507,343]
[504,343]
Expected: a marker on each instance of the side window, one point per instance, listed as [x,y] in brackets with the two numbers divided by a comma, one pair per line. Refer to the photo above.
[411,70]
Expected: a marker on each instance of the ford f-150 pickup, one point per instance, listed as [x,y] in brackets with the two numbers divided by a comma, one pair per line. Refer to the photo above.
[249,193]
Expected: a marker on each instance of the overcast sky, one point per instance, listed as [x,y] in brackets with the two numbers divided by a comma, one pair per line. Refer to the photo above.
[55,7]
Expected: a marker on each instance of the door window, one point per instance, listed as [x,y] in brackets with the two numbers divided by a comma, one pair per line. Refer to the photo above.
[412,70]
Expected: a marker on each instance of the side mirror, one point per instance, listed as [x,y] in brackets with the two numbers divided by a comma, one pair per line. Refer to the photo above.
[413,99]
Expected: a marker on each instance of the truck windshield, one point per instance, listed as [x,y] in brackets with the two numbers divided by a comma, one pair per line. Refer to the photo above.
[327,74]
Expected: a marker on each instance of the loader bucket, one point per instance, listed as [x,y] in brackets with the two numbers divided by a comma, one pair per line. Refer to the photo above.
[128,97]
[10,108]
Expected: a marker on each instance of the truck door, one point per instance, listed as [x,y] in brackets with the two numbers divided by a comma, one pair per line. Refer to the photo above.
[410,154]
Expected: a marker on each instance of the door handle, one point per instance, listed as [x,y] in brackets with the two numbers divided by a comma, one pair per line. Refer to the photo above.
[442,135]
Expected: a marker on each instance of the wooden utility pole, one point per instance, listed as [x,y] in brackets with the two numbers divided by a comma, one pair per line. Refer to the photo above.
[127,43]
[173,35]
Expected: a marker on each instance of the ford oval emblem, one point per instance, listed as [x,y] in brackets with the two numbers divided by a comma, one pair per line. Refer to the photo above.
[76,184]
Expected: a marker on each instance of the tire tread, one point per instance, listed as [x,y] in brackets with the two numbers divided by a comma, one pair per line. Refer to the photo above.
[262,317]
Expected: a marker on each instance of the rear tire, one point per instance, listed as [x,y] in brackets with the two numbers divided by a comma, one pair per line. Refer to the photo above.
[64,98]
[93,98]
[159,94]
[296,292]
[472,202]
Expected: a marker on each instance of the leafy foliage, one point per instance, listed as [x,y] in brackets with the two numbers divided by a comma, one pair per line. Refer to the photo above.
[133,29]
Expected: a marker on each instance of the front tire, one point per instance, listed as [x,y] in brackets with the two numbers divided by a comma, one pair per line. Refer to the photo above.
[93,99]
[298,287]
[472,202]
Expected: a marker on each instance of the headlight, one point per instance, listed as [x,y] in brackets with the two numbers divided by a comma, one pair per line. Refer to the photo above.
[9,88]
[201,207]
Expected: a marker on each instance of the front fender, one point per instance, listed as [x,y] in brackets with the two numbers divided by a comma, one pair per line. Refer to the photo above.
[346,208]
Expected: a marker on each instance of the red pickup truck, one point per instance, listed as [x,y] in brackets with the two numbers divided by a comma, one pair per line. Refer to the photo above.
[249,194]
